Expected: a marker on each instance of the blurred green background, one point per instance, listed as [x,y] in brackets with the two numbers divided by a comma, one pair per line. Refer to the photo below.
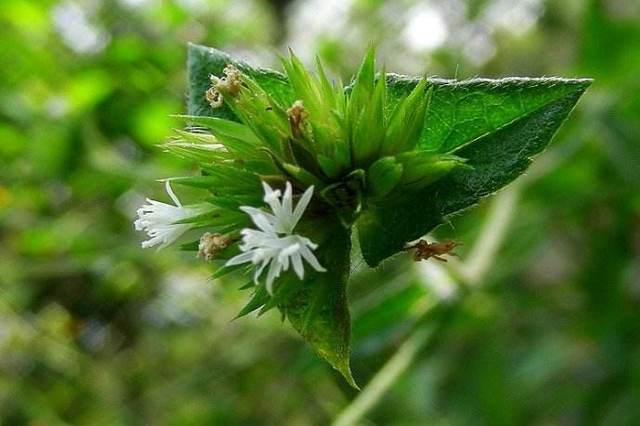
[95,330]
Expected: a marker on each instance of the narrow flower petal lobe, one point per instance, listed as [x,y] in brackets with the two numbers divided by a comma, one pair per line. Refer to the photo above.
[274,244]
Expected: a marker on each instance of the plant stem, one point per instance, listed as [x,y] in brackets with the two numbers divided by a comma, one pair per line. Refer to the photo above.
[425,333]
[397,365]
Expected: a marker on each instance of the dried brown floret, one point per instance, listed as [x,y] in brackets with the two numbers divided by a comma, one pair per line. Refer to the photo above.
[425,250]
[212,244]
[297,115]
[230,84]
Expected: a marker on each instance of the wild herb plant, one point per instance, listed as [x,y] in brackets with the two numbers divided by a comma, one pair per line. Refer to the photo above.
[295,166]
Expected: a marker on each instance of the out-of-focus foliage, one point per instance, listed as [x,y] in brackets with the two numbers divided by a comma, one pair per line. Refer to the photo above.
[95,330]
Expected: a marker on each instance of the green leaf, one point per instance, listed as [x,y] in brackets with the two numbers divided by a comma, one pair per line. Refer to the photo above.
[259,298]
[383,176]
[422,168]
[369,131]
[300,174]
[317,307]
[364,83]
[459,112]
[226,270]
[462,111]
[330,167]
[407,121]
[517,121]
[226,129]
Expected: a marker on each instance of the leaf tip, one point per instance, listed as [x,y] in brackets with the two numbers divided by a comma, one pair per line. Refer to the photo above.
[345,370]
[341,364]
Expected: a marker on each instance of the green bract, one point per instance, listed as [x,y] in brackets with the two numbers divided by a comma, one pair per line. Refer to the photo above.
[392,156]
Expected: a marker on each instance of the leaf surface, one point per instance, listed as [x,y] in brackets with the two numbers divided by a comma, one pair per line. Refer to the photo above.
[317,307]
[498,144]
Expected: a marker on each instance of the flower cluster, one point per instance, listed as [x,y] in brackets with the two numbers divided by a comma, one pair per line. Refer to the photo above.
[292,162]
[274,244]
[333,149]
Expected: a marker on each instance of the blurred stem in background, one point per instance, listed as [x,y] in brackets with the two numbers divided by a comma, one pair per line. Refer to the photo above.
[466,276]
[280,10]
[434,321]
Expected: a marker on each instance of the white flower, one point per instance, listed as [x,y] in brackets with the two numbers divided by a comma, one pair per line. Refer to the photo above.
[274,244]
[158,220]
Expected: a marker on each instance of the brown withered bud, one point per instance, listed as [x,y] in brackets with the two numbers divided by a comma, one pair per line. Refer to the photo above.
[214,97]
[425,250]
[212,244]
[297,115]
[230,84]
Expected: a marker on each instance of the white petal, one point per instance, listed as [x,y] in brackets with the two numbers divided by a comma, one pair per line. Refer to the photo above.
[259,270]
[302,206]
[151,242]
[254,240]
[252,211]
[260,219]
[290,249]
[274,272]
[239,259]
[269,192]
[286,253]
[311,258]
[284,262]
[167,186]
[272,198]
[287,200]
[296,260]
[307,242]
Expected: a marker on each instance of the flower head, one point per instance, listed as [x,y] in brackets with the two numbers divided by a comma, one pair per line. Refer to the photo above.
[158,220]
[274,244]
